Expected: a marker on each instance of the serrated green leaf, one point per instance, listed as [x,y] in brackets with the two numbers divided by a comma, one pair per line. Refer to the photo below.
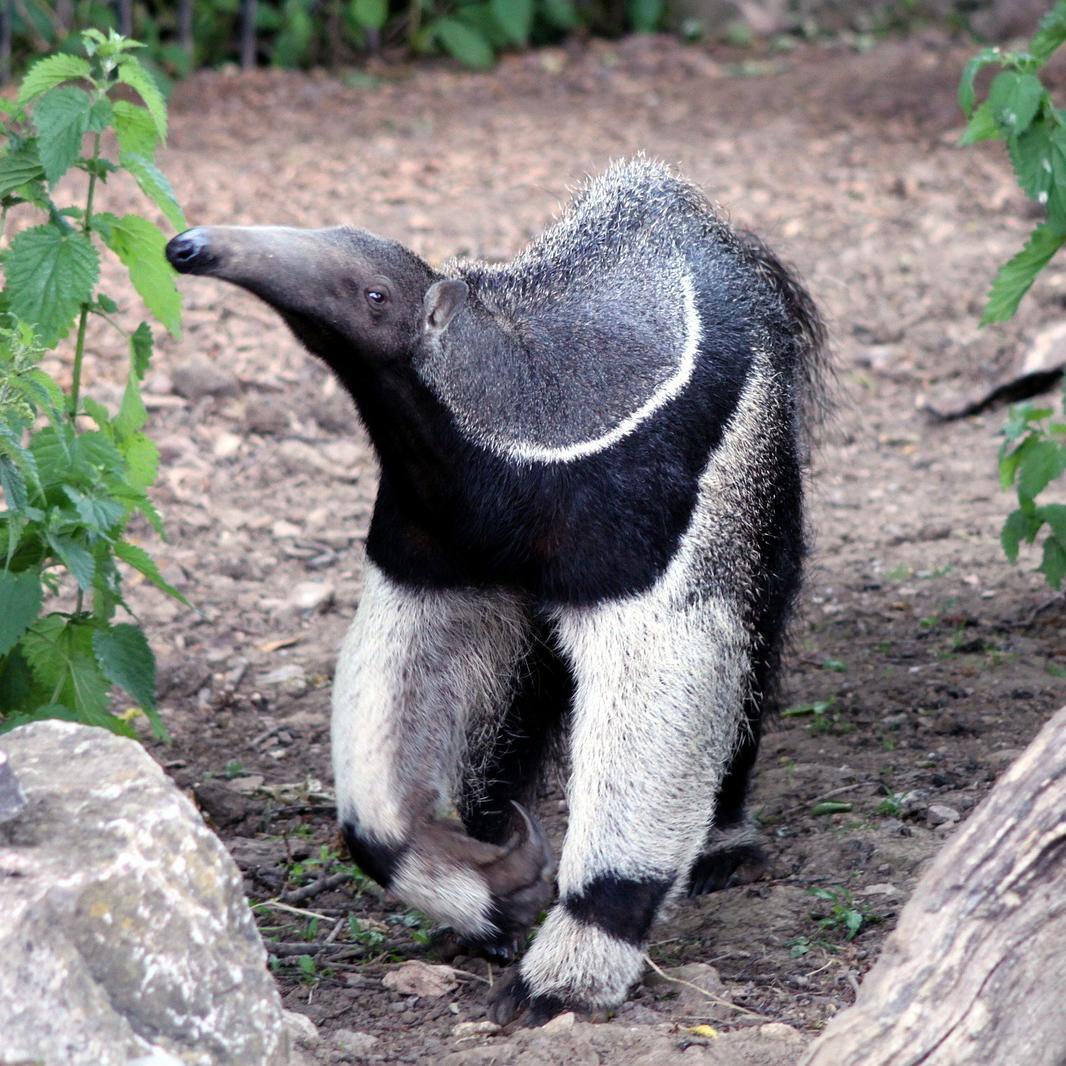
[131,414]
[47,73]
[50,274]
[61,118]
[98,413]
[142,460]
[135,129]
[1015,277]
[13,484]
[464,43]
[141,350]
[1050,35]
[141,561]
[75,557]
[147,508]
[98,513]
[60,654]
[1041,463]
[1055,516]
[45,392]
[1053,564]
[1020,525]
[12,527]
[101,117]
[645,15]
[133,74]
[514,17]
[19,168]
[1031,155]
[370,14]
[99,451]
[969,73]
[154,185]
[21,596]
[127,661]
[982,126]
[107,583]
[139,244]
[1015,99]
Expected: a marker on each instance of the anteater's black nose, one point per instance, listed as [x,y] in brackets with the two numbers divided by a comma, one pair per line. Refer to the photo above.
[190,252]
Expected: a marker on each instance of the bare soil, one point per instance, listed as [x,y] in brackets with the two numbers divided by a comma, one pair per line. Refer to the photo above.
[930,660]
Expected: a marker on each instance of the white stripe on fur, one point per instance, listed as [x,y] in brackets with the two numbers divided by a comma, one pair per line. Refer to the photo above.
[668,390]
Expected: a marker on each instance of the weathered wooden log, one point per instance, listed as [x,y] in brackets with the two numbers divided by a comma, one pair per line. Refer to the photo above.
[975,972]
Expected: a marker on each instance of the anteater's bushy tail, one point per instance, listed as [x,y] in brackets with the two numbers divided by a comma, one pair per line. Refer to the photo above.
[808,331]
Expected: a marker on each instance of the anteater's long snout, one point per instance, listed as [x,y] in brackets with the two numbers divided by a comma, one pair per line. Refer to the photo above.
[191,252]
[292,269]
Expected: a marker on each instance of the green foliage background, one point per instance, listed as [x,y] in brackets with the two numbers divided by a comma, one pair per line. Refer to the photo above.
[1019,110]
[74,475]
[300,33]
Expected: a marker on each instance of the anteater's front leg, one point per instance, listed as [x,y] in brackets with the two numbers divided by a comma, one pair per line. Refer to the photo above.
[423,676]
[660,681]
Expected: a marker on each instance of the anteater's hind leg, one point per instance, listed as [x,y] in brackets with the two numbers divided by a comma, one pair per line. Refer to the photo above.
[507,756]
[733,844]
[660,686]
[733,852]
[417,670]
[505,767]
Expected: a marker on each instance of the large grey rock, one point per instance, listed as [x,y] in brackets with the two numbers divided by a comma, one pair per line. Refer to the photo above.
[124,932]
[12,798]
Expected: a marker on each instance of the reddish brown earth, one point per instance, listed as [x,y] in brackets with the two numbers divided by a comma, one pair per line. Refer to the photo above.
[939,661]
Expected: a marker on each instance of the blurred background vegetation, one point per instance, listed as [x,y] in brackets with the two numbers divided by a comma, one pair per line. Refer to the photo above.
[184,35]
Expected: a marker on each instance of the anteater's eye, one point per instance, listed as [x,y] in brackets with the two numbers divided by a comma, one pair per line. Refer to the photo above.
[376,297]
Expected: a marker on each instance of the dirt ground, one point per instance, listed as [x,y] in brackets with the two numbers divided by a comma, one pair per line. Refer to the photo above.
[924,661]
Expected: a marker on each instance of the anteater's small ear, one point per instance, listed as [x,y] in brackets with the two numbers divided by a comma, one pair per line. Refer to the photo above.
[443,300]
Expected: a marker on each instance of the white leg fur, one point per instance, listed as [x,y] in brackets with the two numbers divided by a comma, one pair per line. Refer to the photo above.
[661,679]
[422,678]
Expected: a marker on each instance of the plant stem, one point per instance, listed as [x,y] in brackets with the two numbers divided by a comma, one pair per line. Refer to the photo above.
[86,227]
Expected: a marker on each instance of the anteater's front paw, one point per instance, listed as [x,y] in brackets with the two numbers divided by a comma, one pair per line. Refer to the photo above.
[511,1000]
[521,880]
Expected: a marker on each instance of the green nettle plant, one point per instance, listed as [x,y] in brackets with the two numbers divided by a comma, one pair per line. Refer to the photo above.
[1019,110]
[73,474]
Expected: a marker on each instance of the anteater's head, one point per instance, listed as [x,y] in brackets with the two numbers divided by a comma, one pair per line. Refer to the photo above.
[350,297]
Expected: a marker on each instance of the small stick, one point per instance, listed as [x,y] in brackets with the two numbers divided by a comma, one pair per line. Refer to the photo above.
[265,735]
[717,1000]
[334,931]
[323,884]
[288,948]
[276,904]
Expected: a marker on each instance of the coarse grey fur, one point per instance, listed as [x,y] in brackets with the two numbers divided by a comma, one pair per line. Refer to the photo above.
[524,366]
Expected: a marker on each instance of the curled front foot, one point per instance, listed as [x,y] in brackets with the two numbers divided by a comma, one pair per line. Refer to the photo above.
[488,894]
[521,878]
